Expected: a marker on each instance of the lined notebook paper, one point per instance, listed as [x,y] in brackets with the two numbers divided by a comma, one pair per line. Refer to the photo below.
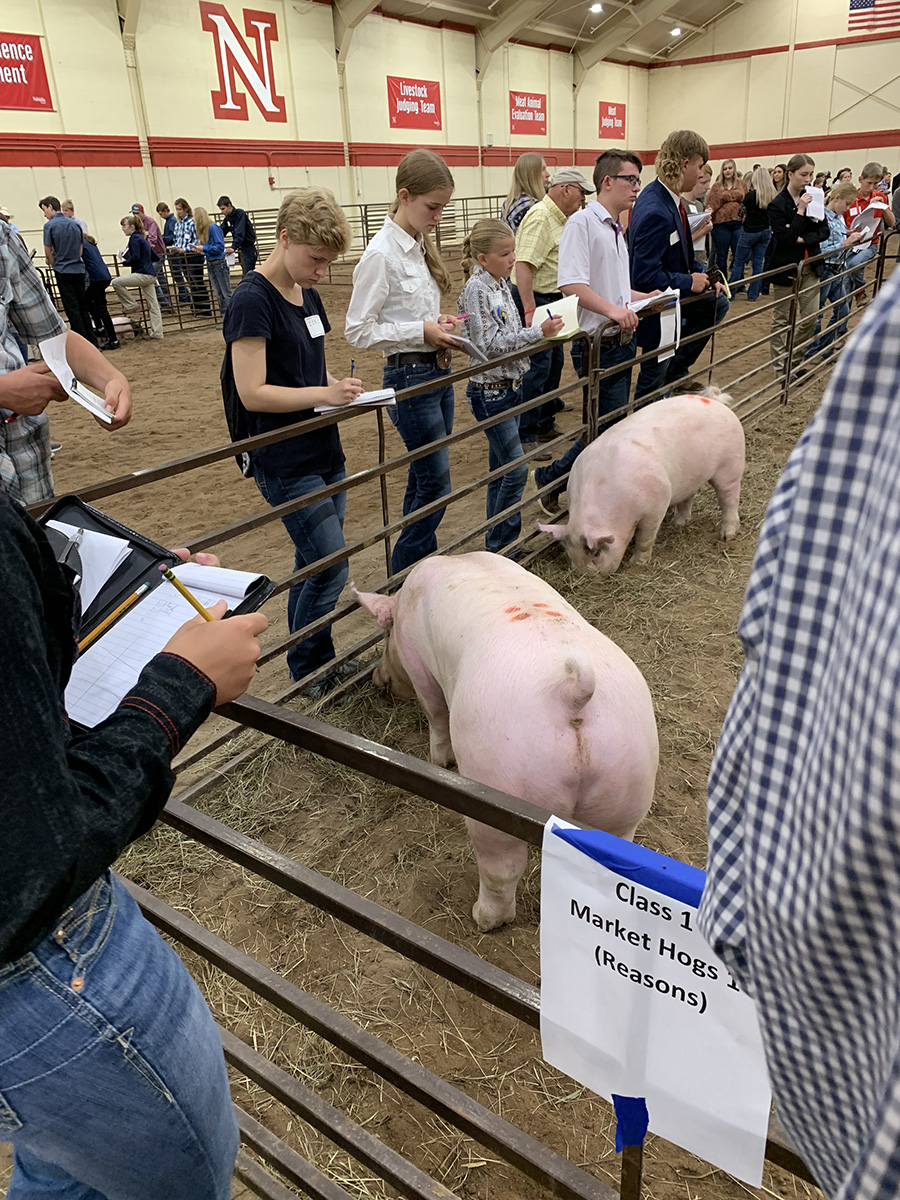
[108,670]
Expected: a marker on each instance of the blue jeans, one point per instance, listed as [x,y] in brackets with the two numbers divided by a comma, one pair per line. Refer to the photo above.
[725,237]
[179,278]
[543,375]
[421,420]
[832,291]
[504,447]
[220,279]
[112,1079]
[247,256]
[316,531]
[859,258]
[751,248]
[704,314]
[613,395]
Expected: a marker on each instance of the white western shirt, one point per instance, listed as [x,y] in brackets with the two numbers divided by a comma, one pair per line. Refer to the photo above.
[593,251]
[394,293]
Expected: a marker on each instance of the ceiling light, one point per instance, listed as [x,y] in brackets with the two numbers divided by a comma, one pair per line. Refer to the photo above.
[676,31]
[596,8]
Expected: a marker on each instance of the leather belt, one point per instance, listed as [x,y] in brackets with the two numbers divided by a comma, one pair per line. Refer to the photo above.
[495,386]
[403,360]
[622,338]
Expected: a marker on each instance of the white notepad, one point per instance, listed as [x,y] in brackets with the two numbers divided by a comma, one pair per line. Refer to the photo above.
[101,555]
[383,396]
[567,308]
[108,670]
[54,353]
[868,221]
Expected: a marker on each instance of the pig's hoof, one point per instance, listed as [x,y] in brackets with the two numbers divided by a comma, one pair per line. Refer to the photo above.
[487,918]
[639,560]
[728,532]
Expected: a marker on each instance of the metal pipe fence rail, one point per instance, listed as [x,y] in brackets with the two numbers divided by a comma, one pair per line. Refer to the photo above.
[463,796]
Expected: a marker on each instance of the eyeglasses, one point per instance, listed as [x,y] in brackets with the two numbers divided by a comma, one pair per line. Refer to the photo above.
[632,180]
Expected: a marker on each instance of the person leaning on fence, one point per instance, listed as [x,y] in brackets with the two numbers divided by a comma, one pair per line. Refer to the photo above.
[243,235]
[795,237]
[537,262]
[662,256]
[529,184]
[26,391]
[139,257]
[173,257]
[492,324]
[869,180]
[834,290]
[755,234]
[210,239]
[190,259]
[594,266]
[62,249]
[274,375]
[802,895]
[395,307]
[99,278]
[112,1076]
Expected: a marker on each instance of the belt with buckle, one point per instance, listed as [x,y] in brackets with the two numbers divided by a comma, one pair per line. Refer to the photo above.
[403,360]
[496,386]
[622,338]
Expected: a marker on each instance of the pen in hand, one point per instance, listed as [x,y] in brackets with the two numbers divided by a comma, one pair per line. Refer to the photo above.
[352,366]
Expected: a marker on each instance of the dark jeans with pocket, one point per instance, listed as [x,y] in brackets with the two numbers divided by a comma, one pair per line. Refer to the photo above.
[503,447]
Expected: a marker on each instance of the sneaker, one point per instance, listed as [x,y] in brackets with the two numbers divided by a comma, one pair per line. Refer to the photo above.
[549,434]
[111,345]
[54,446]
[548,503]
[321,687]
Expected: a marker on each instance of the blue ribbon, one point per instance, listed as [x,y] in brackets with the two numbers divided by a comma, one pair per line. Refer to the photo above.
[632,1120]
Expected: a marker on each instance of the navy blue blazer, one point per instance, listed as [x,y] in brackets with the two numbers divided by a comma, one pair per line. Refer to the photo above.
[660,254]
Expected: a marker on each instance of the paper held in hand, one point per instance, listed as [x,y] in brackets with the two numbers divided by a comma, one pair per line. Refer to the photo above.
[470,348]
[54,352]
[816,206]
[383,396]
[635,1003]
[695,220]
[868,220]
[567,308]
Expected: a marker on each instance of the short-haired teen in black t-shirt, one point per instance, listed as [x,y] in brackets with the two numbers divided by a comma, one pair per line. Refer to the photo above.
[275,330]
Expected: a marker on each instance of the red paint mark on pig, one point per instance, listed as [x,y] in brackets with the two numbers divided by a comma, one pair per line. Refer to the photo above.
[553,614]
[538,604]
[512,609]
[703,399]
[521,616]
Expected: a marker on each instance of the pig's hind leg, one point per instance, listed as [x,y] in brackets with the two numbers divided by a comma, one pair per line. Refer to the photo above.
[728,493]
[501,863]
[431,697]
[683,511]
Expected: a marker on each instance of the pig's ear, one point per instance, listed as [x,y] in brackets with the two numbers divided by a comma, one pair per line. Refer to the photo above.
[381,607]
[557,531]
[593,541]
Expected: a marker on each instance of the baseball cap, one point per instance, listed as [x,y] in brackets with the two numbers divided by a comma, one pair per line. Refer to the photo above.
[136,208]
[570,175]
[5,213]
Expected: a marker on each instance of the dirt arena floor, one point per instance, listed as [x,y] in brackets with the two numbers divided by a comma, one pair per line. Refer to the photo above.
[675,618]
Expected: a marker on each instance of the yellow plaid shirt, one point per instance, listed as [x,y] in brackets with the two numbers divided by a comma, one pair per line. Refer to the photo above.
[537,243]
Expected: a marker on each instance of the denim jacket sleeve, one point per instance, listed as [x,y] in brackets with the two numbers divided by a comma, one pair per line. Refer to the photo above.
[71,802]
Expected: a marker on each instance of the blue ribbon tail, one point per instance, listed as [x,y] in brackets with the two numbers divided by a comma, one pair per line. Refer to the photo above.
[632,1120]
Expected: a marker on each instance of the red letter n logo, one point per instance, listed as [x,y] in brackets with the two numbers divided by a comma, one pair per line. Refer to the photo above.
[234,58]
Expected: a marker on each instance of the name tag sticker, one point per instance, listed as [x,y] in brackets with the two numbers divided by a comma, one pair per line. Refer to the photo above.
[315,326]
[673,241]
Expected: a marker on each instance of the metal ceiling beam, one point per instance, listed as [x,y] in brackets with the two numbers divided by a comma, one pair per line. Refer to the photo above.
[516,18]
[615,33]
[347,14]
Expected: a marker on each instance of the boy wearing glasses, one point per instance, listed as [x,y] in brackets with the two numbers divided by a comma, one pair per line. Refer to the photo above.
[593,265]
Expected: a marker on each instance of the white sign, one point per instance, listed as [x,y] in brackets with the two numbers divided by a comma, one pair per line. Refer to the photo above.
[634,1002]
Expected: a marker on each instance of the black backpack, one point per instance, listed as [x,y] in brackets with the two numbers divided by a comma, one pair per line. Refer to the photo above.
[235,414]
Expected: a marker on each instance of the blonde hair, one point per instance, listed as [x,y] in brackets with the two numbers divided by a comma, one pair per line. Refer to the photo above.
[845,190]
[527,178]
[720,178]
[312,217]
[201,220]
[420,172]
[764,187]
[680,145]
[482,238]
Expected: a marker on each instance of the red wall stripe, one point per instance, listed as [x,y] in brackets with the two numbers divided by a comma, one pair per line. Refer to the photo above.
[68,150]
[245,152]
[712,58]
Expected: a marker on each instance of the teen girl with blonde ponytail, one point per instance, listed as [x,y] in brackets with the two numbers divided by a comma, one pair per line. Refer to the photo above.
[395,308]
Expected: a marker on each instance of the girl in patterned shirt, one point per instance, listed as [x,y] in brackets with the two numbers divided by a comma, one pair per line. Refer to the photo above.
[493,325]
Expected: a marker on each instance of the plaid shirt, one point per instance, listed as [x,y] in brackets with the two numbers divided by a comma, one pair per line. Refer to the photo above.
[25,305]
[802,899]
[514,213]
[186,235]
[537,242]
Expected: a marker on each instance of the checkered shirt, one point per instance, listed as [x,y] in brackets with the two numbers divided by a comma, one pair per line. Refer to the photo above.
[186,235]
[24,305]
[803,891]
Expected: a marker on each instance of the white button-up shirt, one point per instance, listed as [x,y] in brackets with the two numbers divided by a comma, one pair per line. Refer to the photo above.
[393,294]
[593,251]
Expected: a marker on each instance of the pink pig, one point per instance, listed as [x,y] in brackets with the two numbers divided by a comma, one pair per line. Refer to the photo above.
[622,485]
[525,696]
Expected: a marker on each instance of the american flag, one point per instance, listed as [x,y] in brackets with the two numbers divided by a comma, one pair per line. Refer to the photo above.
[874,14]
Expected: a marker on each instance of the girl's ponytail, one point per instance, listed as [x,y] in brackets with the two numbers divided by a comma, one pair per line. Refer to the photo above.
[482,238]
[423,171]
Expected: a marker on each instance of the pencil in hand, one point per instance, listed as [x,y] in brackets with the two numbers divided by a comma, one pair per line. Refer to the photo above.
[90,638]
[179,587]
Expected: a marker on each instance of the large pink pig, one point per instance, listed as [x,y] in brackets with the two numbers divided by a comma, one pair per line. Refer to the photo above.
[525,696]
[622,484]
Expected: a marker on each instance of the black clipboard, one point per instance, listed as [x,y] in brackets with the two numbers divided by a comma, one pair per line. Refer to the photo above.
[141,566]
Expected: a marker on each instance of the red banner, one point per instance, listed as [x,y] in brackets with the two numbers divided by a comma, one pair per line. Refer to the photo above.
[527,113]
[23,76]
[414,103]
[612,121]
